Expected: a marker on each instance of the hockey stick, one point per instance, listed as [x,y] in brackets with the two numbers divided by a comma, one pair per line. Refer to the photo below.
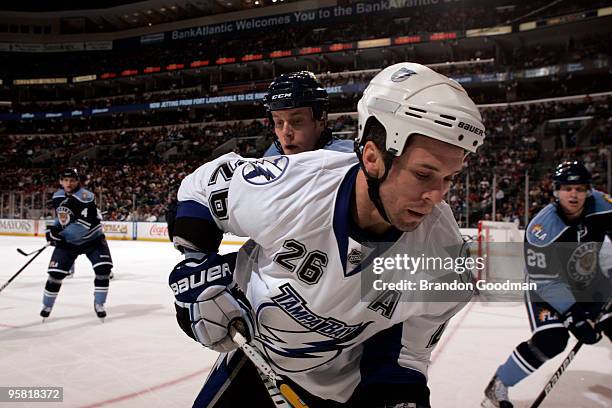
[38,252]
[22,252]
[280,392]
[566,361]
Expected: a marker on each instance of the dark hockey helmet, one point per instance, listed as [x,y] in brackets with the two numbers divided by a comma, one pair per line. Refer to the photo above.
[296,90]
[70,172]
[571,172]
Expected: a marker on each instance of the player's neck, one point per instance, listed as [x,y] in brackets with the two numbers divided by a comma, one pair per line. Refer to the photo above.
[363,210]
[573,216]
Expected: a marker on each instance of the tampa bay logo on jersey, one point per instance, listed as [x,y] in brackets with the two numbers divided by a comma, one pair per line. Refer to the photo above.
[265,171]
[305,341]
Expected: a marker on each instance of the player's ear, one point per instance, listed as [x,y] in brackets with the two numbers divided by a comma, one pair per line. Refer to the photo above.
[373,159]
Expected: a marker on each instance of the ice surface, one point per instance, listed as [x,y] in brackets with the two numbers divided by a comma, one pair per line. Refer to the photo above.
[139,357]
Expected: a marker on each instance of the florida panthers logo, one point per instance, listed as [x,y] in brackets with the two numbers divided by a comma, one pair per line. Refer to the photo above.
[546,315]
[582,264]
[64,215]
[538,231]
[295,339]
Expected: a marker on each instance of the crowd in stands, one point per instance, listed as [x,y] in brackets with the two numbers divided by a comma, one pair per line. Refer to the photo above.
[134,162]
[135,172]
[515,136]
[444,17]
[132,172]
[552,85]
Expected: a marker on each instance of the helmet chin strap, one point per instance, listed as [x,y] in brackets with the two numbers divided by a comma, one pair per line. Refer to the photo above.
[375,183]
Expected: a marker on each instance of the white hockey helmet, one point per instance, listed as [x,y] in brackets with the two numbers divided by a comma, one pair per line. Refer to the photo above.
[409,98]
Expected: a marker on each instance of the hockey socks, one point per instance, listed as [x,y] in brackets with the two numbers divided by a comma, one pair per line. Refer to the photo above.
[522,362]
[100,289]
[52,288]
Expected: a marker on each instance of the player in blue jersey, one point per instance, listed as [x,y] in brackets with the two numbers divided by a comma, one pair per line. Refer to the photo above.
[568,254]
[296,106]
[76,230]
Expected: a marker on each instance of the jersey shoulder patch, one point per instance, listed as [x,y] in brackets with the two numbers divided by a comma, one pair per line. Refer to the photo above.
[84,196]
[603,203]
[59,194]
[546,227]
[265,171]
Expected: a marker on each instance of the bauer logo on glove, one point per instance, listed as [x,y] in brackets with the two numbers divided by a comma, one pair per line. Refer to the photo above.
[208,302]
[197,274]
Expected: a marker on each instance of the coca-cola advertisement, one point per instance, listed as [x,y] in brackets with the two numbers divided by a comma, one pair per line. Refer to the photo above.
[157,230]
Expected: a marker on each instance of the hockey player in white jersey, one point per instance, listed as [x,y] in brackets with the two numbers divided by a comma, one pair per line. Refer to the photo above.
[320,219]
[296,107]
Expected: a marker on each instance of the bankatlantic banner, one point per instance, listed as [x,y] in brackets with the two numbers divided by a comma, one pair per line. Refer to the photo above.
[304,16]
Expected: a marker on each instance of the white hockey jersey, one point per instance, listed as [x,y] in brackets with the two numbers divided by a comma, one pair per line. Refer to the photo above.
[315,319]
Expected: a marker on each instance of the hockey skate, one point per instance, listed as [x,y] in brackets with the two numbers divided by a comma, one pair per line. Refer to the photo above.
[100,311]
[496,395]
[45,312]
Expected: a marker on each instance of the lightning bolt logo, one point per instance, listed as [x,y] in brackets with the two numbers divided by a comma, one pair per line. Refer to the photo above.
[265,171]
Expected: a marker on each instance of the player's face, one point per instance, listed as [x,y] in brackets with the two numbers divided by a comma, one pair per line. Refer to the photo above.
[418,180]
[572,198]
[69,184]
[297,130]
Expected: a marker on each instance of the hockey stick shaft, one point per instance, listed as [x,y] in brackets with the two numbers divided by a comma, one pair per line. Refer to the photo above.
[566,361]
[557,375]
[23,267]
[291,399]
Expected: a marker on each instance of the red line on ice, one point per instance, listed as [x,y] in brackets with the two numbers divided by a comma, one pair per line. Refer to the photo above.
[446,338]
[147,390]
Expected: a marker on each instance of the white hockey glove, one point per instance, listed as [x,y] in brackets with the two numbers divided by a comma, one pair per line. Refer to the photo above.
[208,302]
